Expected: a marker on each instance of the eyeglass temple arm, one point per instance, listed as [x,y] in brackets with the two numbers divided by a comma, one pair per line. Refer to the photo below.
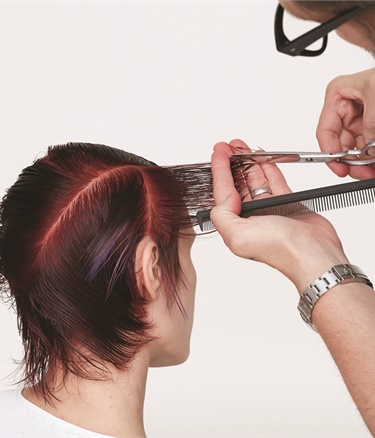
[298,45]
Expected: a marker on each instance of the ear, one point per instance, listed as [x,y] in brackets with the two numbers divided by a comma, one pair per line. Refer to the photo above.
[147,268]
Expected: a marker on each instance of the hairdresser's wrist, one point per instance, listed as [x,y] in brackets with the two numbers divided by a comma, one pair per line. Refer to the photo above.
[306,266]
[338,306]
[308,273]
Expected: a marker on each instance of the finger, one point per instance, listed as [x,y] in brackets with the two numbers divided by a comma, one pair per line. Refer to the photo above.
[339,169]
[359,141]
[356,141]
[361,172]
[369,122]
[276,179]
[257,181]
[254,177]
[329,128]
[328,134]
[264,175]
[368,106]
[329,125]
[223,184]
[239,146]
[226,222]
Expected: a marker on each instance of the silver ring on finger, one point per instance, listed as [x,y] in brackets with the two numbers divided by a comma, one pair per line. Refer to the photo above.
[260,191]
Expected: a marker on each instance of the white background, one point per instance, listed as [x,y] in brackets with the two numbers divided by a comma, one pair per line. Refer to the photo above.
[167,80]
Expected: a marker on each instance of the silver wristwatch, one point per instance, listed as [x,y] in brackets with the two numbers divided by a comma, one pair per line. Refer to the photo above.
[338,274]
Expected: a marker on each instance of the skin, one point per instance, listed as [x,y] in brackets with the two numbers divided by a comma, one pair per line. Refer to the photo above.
[302,249]
[349,31]
[289,238]
[347,119]
[115,406]
[343,317]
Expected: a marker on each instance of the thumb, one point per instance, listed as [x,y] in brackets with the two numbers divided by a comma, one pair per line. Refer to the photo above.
[224,214]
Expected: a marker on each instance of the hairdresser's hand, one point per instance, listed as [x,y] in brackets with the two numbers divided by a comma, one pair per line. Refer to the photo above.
[301,248]
[347,120]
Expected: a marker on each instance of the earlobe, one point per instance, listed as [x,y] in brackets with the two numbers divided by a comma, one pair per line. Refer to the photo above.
[147,268]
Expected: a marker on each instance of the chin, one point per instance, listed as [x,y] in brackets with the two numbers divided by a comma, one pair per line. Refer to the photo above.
[170,360]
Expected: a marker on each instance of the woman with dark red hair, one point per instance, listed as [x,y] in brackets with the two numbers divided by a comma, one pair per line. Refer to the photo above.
[95,255]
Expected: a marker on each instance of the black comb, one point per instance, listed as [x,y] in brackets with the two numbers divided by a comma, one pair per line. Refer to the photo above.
[307,201]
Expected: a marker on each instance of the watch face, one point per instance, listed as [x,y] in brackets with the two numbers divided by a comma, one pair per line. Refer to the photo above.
[343,271]
[346,270]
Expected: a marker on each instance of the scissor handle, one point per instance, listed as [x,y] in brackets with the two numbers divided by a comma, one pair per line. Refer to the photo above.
[370,146]
[363,154]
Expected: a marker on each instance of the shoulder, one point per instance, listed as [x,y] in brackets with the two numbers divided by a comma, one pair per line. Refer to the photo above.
[19,417]
[12,412]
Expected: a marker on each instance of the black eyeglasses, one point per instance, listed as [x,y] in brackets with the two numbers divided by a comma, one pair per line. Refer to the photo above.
[297,47]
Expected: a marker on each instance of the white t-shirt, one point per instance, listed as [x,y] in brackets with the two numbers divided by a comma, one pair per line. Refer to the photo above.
[20,418]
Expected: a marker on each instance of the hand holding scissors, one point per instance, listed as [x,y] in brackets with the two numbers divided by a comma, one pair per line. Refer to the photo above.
[351,157]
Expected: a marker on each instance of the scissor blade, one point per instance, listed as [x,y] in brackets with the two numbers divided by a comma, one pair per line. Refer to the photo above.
[286,157]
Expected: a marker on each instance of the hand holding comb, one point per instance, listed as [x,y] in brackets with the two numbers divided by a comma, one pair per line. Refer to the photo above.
[308,201]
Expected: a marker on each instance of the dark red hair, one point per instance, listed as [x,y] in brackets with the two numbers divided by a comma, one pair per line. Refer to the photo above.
[70,227]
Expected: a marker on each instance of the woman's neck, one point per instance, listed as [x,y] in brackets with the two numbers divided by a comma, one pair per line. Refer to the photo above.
[112,407]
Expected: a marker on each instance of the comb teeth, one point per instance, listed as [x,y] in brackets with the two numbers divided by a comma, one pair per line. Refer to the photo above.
[308,201]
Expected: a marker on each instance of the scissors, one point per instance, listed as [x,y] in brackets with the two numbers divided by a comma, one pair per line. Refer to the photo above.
[353,157]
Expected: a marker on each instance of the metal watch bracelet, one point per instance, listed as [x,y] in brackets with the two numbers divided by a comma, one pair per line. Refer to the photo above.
[338,274]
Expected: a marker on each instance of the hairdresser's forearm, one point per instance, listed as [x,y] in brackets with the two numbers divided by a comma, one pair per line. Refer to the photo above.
[303,249]
[345,318]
